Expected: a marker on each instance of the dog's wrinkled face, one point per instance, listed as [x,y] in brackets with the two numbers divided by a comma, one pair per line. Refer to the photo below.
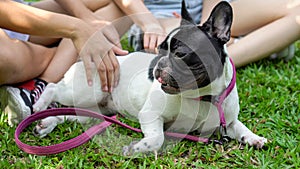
[193,56]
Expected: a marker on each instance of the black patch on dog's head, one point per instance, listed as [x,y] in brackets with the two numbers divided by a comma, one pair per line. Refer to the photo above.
[193,54]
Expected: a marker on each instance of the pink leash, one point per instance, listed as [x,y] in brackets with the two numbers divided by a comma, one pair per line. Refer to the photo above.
[99,128]
[81,139]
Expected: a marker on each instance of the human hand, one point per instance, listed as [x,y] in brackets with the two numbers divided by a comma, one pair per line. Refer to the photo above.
[153,36]
[110,31]
[98,48]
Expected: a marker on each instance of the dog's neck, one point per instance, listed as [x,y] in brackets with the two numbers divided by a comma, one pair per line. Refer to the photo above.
[216,87]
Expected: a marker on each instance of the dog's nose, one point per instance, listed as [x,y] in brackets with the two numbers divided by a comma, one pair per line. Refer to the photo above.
[161,76]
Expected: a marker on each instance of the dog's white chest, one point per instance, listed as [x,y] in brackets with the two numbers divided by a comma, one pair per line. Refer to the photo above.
[189,115]
[130,95]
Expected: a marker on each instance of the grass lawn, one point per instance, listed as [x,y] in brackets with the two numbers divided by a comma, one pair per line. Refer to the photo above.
[269,94]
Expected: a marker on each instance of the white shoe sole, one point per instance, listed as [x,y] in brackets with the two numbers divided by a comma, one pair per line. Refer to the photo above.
[16,109]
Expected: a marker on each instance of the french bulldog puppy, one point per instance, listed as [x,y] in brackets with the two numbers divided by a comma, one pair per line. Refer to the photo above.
[176,93]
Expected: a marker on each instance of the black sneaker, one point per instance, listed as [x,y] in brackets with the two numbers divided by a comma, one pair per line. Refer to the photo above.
[39,87]
[19,99]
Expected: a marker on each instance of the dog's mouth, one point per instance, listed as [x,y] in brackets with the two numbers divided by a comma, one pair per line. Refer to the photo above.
[168,88]
[172,87]
[177,84]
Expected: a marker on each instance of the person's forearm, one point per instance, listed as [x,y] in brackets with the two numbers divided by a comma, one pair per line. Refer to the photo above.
[208,5]
[30,20]
[137,11]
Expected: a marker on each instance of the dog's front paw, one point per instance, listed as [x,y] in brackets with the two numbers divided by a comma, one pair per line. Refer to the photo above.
[138,147]
[145,145]
[254,140]
[129,150]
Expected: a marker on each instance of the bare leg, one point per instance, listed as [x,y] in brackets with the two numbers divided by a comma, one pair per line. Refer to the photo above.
[20,61]
[273,26]
[64,57]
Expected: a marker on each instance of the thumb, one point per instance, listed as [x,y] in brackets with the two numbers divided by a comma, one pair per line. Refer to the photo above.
[119,51]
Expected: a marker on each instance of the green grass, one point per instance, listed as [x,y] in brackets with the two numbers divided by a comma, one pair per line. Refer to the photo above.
[269,100]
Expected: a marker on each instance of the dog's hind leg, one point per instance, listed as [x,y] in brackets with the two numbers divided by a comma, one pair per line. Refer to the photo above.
[239,131]
[47,125]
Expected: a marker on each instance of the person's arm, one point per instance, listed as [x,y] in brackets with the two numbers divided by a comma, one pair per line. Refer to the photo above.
[91,44]
[207,7]
[139,13]
[26,19]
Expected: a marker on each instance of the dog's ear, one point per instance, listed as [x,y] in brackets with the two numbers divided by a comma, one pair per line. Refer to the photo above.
[219,22]
[186,18]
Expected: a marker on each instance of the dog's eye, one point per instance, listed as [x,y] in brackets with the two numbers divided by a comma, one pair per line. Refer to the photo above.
[162,48]
[164,44]
[162,52]
[180,54]
[174,46]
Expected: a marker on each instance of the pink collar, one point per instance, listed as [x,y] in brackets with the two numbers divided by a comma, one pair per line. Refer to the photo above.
[219,99]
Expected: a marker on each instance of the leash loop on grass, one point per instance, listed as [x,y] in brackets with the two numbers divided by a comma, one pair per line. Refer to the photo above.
[84,137]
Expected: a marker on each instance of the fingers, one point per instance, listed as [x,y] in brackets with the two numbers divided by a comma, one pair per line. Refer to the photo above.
[87,61]
[108,69]
[99,52]
[119,51]
[116,68]
[161,39]
[151,42]
[101,66]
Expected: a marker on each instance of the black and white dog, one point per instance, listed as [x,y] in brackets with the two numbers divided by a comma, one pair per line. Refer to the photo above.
[192,64]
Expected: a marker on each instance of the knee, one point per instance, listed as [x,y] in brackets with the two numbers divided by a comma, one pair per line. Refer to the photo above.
[294,16]
[293,10]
